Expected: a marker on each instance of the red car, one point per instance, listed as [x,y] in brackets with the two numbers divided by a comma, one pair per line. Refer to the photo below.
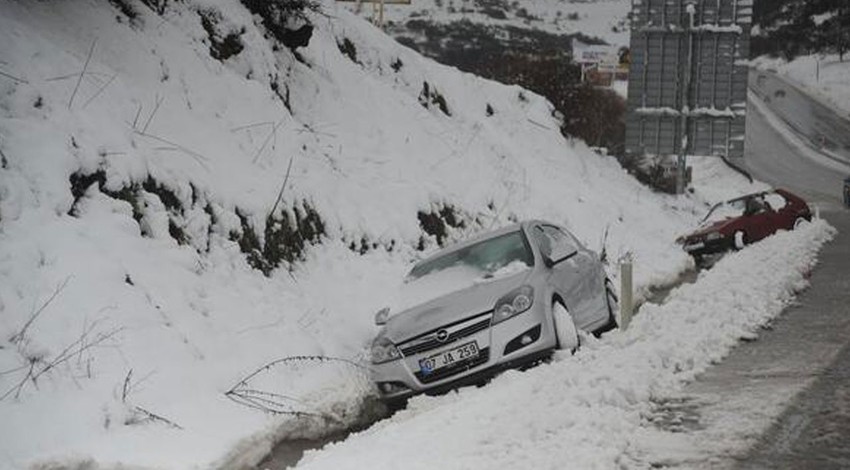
[747,219]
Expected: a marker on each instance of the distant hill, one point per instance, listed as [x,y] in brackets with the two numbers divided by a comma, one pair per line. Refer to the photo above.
[603,19]
[791,28]
[526,43]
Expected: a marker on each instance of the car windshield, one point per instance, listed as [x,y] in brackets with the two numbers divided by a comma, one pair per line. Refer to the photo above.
[509,252]
[725,210]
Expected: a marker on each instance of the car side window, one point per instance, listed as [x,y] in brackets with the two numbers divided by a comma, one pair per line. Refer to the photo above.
[755,206]
[553,242]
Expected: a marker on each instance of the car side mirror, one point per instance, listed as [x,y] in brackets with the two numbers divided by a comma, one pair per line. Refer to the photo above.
[382,316]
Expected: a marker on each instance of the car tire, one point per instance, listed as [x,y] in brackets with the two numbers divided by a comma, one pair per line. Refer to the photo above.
[739,240]
[699,261]
[799,222]
[566,334]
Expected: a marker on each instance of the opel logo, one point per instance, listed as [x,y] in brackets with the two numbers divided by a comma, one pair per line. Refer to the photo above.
[442,336]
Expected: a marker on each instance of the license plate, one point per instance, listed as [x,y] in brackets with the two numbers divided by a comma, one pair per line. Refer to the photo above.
[446,358]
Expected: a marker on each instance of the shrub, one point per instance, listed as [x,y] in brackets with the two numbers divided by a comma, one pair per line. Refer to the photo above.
[397,65]
[430,96]
[286,237]
[132,194]
[126,8]
[437,222]
[286,20]
[156,5]
[222,46]
[348,49]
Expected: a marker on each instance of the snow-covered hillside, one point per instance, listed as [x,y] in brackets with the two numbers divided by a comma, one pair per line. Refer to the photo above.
[602,19]
[147,188]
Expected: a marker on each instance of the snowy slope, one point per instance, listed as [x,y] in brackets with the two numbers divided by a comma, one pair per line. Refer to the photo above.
[603,19]
[133,338]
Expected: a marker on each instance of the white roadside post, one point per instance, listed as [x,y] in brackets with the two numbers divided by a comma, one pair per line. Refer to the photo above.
[626,298]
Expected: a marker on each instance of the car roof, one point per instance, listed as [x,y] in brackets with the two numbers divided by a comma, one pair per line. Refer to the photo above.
[760,193]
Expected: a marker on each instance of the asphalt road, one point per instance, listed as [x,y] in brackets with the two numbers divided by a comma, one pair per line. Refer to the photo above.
[797,373]
[772,159]
[814,430]
[821,126]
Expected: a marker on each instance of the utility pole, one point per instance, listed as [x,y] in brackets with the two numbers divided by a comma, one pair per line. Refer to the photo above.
[681,164]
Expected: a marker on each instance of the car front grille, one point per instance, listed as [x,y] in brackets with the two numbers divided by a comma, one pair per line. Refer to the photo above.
[428,341]
[483,356]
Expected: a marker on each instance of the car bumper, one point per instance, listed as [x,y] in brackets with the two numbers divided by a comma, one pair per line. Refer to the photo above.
[706,247]
[521,340]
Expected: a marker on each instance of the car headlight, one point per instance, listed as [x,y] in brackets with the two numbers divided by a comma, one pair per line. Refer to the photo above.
[514,303]
[713,236]
[383,350]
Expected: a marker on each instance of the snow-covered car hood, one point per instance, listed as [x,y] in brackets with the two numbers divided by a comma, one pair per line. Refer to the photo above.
[710,227]
[477,297]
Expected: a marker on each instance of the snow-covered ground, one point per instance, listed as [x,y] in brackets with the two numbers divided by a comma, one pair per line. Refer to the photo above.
[117,343]
[603,19]
[595,409]
[824,76]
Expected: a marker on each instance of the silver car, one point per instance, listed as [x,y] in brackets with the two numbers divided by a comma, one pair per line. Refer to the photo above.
[504,299]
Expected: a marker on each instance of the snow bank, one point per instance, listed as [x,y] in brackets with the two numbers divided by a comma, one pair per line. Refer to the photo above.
[594,409]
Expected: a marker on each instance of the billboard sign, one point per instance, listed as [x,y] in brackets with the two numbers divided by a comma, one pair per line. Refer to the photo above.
[592,54]
[688,78]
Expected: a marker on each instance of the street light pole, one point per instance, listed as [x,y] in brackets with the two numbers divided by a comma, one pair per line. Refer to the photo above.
[681,164]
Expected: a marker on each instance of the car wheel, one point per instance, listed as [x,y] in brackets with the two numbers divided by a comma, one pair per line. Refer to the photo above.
[799,222]
[565,328]
[740,240]
[699,261]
